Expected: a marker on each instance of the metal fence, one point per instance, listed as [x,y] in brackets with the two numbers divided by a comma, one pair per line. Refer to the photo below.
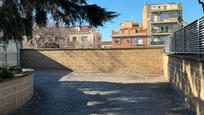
[188,40]
[9,55]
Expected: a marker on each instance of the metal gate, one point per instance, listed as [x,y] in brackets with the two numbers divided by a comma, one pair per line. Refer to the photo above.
[9,54]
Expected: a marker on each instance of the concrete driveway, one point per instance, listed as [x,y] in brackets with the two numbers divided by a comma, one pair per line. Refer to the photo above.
[67,93]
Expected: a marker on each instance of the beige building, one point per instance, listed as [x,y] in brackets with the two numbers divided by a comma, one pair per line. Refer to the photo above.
[161,20]
[72,37]
[107,44]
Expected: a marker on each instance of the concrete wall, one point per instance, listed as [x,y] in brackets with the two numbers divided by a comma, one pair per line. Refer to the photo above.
[15,93]
[187,77]
[140,61]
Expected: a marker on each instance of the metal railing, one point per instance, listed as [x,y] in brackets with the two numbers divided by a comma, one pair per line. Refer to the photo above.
[157,43]
[187,40]
[9,55]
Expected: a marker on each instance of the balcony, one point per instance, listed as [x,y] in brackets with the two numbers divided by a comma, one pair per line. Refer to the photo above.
[161,32]
[129,33]
[172,20]
[157,42]
[155,10]
[164,18]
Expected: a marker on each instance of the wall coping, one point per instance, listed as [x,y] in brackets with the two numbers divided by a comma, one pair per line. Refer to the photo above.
[60,49]
[24,74]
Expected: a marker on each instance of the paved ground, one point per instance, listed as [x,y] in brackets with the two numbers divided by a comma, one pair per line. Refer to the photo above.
[66,93]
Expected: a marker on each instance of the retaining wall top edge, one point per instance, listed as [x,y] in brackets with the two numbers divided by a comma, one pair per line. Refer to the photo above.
[60,49]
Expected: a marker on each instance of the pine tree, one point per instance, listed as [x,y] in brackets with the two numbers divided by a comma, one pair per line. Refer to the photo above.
[17,17]
[202,4]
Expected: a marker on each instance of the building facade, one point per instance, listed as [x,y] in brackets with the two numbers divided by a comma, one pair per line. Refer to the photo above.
[107,44]
[130,35]
[72,37]
[161,20]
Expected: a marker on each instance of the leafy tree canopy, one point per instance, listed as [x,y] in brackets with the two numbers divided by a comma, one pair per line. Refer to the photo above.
[19,16]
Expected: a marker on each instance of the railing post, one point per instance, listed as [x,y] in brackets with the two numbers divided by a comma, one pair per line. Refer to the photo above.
[18,53]
[198,27]
[175,42]
[183,35]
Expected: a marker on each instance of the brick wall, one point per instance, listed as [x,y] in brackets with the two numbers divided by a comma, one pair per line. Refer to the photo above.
[140,61]
[187,77]
[15,93]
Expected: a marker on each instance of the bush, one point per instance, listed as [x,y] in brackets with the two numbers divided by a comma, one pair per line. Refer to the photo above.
[15,70]
[6,74]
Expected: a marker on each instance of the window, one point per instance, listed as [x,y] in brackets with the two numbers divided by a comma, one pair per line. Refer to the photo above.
[132,31]
[139,41]
[125,31]
[165,7]
[128,40]
[99,39]
[175,27]
[164,17]
[164,38]
[159,7]
[117,40]
[167,28]
[74,39]
[50,39]
[155,18]
[68,39]
[175,15]
[136,31]
[162,29]
[59,38]
[84,39]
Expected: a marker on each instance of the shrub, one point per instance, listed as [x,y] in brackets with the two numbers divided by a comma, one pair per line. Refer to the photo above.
[6,74]
[15,70]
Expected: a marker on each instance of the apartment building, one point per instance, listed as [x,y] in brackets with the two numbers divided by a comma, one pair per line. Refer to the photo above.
[161,20]
[129,35]
[64,37]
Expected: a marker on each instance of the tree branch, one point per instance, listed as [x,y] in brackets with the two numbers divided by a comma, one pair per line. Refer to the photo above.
[202,4]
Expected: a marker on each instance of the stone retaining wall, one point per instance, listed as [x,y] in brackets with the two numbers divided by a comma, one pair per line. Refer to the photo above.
[15,93]
[187,77]
[138,61]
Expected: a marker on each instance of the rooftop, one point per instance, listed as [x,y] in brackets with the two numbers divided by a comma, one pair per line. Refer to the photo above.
[161,3]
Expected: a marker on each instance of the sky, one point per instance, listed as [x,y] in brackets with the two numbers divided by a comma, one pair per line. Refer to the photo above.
[134,8]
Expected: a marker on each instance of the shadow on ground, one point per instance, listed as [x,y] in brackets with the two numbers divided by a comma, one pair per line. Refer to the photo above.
[55,97]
